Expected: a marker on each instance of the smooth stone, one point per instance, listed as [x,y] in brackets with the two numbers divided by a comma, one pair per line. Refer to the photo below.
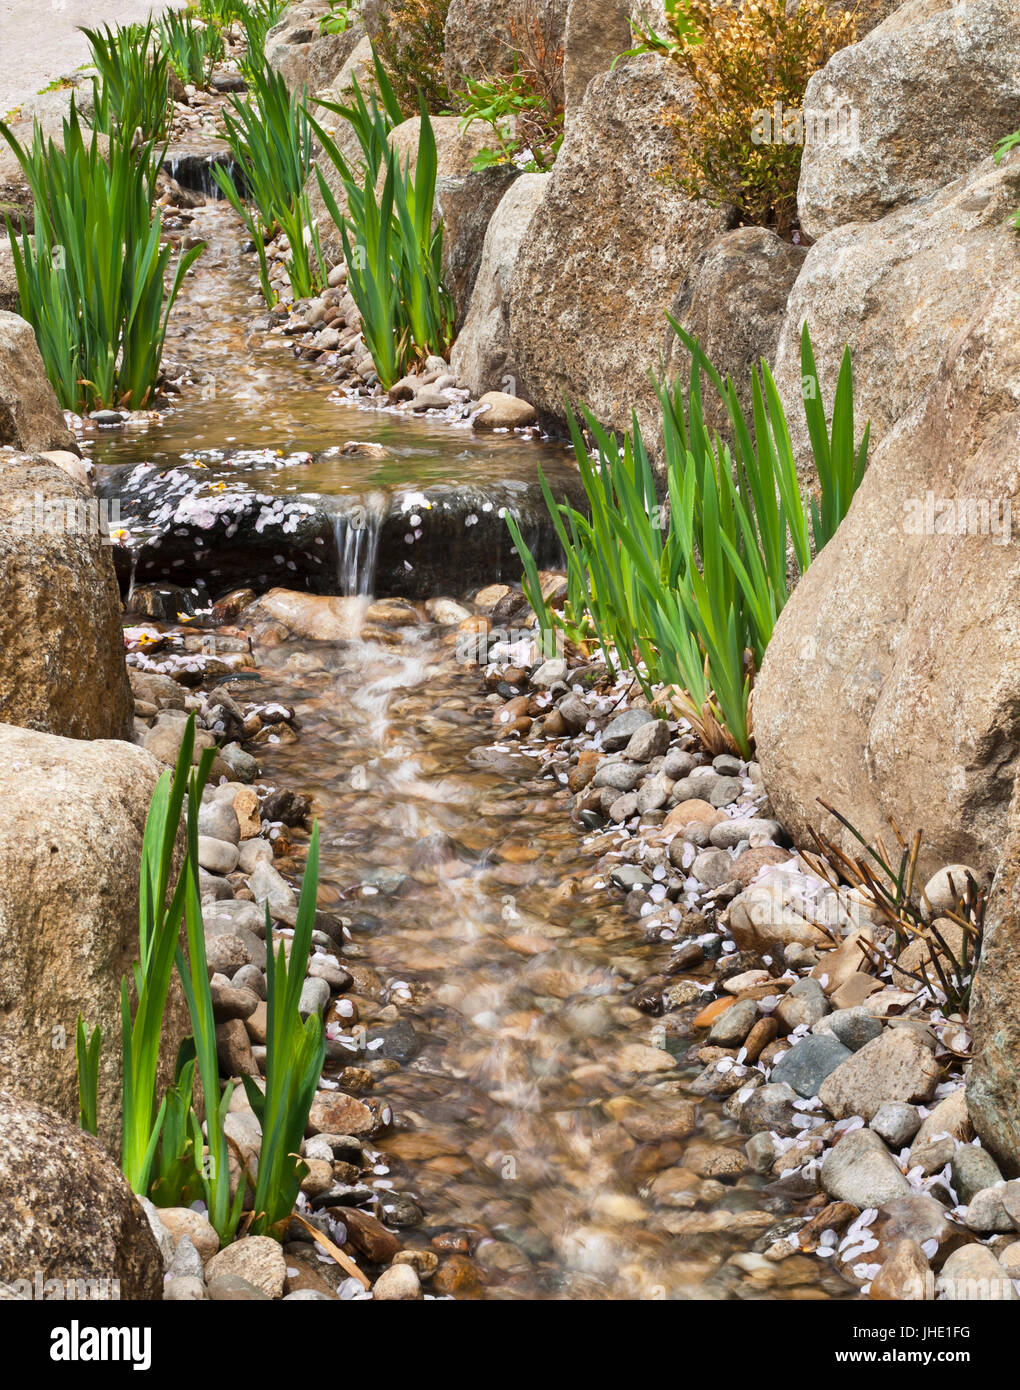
[218,821]
[804,1004]
[648,742]
[729,833]
[972,1273]
[314,997]
[621,730]
[896,1123]
[860,1169]
[809,1062]
[398,1284]
[973,1170]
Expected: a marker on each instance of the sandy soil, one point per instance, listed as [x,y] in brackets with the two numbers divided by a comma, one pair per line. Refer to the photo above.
[39,39]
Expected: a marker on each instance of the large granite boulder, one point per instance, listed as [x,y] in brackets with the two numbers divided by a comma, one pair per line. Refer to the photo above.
[73,1228]
[733,300]
[61,646]
[897,291]
[925,95]
[70,849]
[892,682]
[597,32]
[993,1082]
[485,37]
[607,252]
[30,417]
[305,57]
[466,203]
[481,355]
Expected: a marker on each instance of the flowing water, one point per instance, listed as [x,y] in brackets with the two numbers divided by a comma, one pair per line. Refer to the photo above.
[524,1126]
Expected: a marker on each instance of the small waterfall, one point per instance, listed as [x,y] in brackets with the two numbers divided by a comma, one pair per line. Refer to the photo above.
[357,545]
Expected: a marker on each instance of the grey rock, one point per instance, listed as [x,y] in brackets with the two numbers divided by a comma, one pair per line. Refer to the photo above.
[761,1152]
[574,712]
[187,1262]
[860,1169]
[623,807]
[549,673]
[620,730]
[231,1288]
[725,790]
[985,1211]
[314,997]
[896,1066]
[218,821]
[251,852]
[803,1004]
[621,776]
[678,764]
[974,1169]
[217,856]
[896,1122]
[729,833]
[855,1027]
[772,1107]
[654,793]
[713,868]
[809,1062]
[648,742]
[727,765]
[732,1027]
[185,1288]
[629,876]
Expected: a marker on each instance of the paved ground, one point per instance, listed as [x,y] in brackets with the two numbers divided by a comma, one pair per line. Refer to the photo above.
[39,39]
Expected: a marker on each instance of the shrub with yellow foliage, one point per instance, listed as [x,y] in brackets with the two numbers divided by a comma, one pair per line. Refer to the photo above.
[740,137]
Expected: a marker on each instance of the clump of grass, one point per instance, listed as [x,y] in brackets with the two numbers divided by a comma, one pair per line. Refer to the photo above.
[393,251]
[163,1151]
[270,137]
[295,1051]
[92,280]
[132,91]
[193,49]
[687,591]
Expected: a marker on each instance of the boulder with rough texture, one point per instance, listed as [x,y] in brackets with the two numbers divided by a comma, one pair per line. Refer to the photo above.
[10,300]
[70,848]
[481,354]
[484,37]
[302,54]
[897,292]
[733,300]
[61,646]
[30,417]
[993,1082]
[924,97]
[466,203]
[894,1066]
[605,255]
[71,1216]
[891,682]
[597,32]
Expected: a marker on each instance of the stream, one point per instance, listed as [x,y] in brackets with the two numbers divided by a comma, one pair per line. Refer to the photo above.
[523,1129]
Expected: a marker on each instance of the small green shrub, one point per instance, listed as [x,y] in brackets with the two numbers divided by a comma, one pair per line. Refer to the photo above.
[688,593]
[410,39]
[340,16]
[92,278]
[527,133]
